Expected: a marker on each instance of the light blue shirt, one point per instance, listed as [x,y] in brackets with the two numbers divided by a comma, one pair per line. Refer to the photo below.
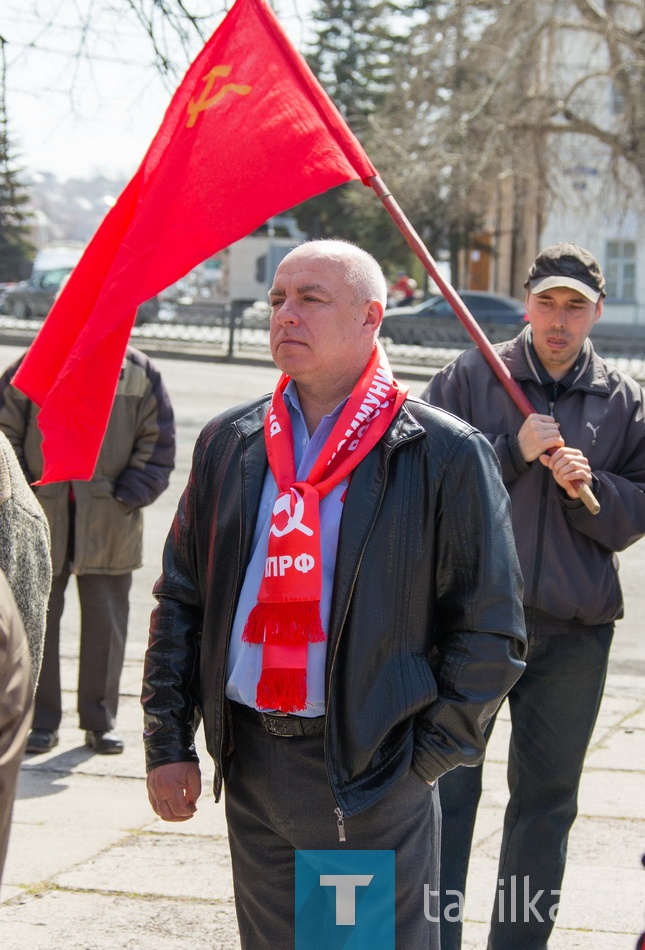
[245,659]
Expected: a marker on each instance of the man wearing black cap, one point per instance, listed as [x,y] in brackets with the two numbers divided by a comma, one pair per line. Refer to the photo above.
[591,415]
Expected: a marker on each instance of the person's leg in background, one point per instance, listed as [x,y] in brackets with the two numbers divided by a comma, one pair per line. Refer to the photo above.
[459,792]
[48,708]
[554,707]
[104,600]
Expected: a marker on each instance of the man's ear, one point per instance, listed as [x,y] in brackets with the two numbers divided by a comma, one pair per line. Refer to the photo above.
[598,310]
[373,315]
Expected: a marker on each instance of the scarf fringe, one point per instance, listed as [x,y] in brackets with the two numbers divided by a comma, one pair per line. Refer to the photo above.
[291,622]
[282,689]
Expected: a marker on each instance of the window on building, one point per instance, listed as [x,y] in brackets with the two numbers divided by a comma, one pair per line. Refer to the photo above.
[620,271]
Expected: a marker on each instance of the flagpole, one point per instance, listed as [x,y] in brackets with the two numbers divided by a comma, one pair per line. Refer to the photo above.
[467,320]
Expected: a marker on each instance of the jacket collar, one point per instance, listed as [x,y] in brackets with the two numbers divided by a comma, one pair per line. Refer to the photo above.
[592,377]
[403,427]
[252,421]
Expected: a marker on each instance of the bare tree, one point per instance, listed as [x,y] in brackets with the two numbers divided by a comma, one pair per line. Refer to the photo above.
[441,139]
[162,20]
[500,94]
[167,33]
[605,99]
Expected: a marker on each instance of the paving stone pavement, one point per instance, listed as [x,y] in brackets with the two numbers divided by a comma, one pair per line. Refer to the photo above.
[91,868]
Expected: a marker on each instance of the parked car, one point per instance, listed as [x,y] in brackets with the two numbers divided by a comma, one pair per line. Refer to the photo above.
[34,298]
[4,290]
[434,319]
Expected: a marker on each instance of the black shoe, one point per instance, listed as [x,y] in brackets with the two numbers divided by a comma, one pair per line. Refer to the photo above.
[41,740]
[104,743]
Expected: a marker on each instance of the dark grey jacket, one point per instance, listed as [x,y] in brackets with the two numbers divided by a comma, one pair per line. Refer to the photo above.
[566,553]
[426,632]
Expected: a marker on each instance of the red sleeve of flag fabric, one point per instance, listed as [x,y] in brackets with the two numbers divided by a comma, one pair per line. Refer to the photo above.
[249,133]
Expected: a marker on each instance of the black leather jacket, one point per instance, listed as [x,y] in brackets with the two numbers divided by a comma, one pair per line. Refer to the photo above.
[426,631]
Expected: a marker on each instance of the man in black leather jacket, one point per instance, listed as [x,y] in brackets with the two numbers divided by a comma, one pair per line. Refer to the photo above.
[420,604]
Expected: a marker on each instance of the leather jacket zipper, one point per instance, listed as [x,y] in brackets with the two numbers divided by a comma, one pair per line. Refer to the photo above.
[340,822]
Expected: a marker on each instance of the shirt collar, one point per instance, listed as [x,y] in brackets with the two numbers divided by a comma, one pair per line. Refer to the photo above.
[292,402]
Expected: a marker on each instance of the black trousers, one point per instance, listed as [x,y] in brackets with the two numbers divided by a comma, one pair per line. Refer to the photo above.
[554,706]
[104,602]
[278,801]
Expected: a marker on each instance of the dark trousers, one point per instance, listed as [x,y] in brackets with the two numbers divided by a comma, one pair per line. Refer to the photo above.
[278,801]
[553,709]
[104,603]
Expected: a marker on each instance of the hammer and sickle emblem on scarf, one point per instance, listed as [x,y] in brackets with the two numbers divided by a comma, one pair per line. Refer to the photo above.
[206,100]
[294,518]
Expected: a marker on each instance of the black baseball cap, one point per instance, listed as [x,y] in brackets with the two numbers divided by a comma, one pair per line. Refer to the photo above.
[566,265]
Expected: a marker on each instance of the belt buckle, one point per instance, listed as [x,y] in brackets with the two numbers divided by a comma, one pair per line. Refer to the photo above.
[276,728]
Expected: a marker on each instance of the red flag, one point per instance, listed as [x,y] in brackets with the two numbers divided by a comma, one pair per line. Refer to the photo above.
[249,133]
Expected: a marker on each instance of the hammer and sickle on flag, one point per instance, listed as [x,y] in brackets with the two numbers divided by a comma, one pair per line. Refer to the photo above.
[206,101]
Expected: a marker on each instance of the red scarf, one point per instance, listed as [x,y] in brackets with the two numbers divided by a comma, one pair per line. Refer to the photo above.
[287,616]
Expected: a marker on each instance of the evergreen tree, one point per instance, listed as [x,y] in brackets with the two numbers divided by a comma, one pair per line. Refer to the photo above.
[16,250]
[355,52]
[355,55]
